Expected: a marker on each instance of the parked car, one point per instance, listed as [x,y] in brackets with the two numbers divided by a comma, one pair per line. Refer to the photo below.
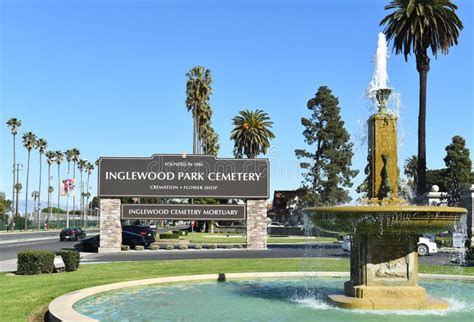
[275,224]
[426,246]
[145,231]
[72,233]
[92,244]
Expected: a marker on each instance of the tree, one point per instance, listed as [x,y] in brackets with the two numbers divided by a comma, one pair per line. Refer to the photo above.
[416,26]
[70,155]
[459,165]
[198,93]
[14,123]
[50,158]
[41,145]
[29,142]
[5,206]
[59,157]
[35,195]
[251,133]
[410,168]
[328,170]
[211,144]
[81,165]
[89,168]
[18,187]
[75,157]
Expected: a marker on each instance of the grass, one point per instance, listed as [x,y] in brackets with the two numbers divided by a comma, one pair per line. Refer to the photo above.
[222,239]
[26,297]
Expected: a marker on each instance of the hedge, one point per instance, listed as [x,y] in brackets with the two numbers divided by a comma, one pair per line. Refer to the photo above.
[71,259]
[35,262]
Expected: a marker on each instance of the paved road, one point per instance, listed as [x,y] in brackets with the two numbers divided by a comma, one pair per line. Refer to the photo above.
[8,252]
[14,236]
[273,251]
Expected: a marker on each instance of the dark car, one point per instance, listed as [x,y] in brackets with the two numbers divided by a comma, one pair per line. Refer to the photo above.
[72,233]
[92,244]
[146,231]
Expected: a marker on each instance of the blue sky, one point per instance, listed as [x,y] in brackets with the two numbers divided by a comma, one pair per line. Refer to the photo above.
[108,77]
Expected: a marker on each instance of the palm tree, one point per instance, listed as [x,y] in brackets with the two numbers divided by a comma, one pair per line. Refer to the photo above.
[35,196]
[251,133]
[75,158]
[89,168]
[210,144]
[50,158]
[18,188]
[69,157]
[41,145]
[29,142]
[198,92]
[416,26]
[81,165]
[410,168]
[59,158]
[14,124]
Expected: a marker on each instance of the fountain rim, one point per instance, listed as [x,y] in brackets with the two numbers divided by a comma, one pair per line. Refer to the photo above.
[61,308]
[385,209]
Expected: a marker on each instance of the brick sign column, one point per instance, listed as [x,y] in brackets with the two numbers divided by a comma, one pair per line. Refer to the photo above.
[110,226]
[257,222]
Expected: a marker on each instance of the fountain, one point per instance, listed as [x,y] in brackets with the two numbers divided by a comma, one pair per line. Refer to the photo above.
[384,259]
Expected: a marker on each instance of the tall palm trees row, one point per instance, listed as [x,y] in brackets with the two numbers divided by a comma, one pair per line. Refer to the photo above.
[251,133]
[30,141]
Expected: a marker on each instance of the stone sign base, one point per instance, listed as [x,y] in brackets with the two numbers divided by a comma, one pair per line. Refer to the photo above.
[257,223]
[110,226]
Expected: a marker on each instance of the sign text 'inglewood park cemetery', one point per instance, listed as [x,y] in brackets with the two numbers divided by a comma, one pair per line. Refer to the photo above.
[183,176]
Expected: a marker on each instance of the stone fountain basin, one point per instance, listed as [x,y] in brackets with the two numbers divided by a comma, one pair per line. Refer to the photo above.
[389,219]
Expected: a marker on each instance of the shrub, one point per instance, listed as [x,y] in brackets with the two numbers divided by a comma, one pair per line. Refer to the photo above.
[183,247]
[230,246]
[125,247]
[198,246]
[212,246]
[154,247]
[169,247]
[241,246]
[35,262]
[139,247]
[71,259]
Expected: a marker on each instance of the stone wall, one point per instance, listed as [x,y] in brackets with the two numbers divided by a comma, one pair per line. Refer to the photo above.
[257,222]
[110,226]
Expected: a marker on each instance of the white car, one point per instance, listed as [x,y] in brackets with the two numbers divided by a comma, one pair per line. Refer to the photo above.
[426,246]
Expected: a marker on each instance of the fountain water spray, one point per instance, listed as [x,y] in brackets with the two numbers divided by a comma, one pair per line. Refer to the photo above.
[380,76]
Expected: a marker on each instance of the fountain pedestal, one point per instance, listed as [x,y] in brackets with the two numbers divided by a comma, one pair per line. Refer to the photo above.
[384,275]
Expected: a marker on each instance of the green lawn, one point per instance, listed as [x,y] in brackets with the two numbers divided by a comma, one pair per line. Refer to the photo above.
[25,296]
[236,239]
